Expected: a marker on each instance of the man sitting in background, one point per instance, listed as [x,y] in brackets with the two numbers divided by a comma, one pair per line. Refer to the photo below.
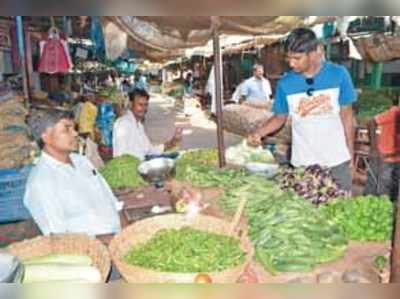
[129,136]
[64,192]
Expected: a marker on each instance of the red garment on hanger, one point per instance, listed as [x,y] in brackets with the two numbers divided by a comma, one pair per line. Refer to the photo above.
[54,56]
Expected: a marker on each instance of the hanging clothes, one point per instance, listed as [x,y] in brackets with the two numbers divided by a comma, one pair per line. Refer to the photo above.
[97,37]
[54,54]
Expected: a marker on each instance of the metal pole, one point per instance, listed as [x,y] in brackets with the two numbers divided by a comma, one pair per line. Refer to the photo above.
[21,49]
[218,96]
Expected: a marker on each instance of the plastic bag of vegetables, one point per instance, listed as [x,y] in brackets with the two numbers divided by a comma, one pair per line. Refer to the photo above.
[243,153]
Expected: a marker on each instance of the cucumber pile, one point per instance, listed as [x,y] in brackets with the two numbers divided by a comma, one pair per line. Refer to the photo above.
[288,233]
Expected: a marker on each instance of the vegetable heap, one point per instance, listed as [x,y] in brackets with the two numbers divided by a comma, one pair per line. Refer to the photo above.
[61,268]
[187,251]
[122,172]
[207,157]
[363,218]
[205,176]
[288,233]
[243,188]
[313,183]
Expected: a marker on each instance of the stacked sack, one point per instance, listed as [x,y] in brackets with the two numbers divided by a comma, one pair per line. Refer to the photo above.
[16,147]
[243,120]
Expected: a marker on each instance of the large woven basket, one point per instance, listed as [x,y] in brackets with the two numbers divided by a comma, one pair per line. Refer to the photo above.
[65,244]
[142,231]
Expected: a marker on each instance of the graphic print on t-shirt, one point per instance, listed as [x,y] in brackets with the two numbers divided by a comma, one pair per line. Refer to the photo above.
[323,103]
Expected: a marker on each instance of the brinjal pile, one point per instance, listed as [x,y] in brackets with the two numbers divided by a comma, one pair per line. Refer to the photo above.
[314,183]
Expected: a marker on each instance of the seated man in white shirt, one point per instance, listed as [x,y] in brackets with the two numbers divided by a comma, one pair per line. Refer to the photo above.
[256,91]
[129,136]
[64,192]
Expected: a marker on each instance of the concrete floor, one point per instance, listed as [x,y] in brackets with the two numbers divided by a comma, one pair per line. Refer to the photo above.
[199,132]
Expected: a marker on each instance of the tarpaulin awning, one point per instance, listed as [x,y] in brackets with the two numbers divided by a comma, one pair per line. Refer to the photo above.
[165,37]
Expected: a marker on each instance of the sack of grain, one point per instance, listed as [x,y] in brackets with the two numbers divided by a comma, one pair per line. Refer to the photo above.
[259,104]
[243,120]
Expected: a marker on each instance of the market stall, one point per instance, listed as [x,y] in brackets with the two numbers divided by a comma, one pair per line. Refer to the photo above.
[186,218]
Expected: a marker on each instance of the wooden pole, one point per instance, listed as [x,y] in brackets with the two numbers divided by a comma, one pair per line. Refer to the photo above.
[21,50]
[28,60]
[218,91]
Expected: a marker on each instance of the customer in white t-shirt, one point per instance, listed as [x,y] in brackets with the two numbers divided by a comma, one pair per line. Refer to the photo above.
[318,96]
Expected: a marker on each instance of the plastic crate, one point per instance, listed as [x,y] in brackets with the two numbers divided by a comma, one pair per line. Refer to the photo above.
[12,189]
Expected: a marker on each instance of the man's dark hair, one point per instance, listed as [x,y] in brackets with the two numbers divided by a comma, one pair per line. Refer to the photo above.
[39,121]
[301,40]
[138,93]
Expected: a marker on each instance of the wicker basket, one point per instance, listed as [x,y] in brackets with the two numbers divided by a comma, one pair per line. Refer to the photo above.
[142,231]
[65,244]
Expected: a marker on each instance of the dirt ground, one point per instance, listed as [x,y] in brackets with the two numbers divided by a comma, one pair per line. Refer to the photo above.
[199,132]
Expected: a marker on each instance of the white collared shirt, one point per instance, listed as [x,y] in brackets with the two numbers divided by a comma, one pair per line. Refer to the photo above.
[129,137]
[65,198]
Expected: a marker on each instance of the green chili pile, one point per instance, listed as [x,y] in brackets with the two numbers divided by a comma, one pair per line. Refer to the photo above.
[187,250]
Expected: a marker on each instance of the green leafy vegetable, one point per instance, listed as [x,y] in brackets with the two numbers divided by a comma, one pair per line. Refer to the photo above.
[122,172]
[363,218]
